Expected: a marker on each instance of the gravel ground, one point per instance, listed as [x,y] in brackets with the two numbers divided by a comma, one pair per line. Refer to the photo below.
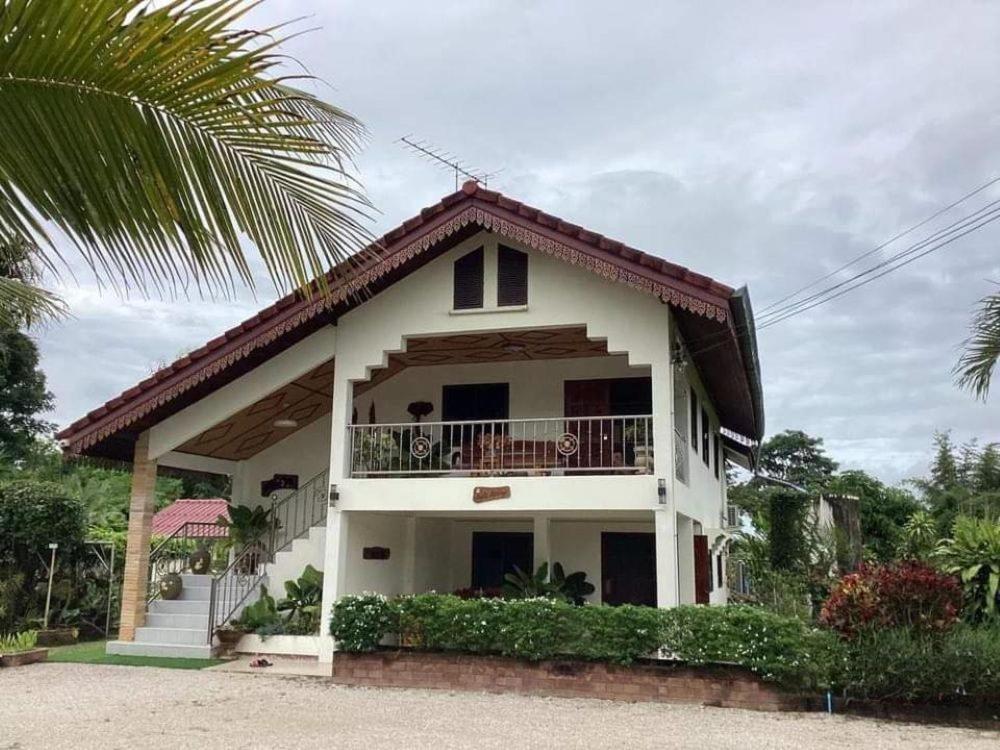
[92,706]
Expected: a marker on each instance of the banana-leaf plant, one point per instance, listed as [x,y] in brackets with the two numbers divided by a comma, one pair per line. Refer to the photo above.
[973,554]
[573,588]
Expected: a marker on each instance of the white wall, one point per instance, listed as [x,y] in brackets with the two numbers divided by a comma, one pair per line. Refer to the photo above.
[536,386]
[577,545]
[304,452]
[375,530]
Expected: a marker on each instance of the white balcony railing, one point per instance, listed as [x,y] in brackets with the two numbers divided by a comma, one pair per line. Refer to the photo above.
[506,447]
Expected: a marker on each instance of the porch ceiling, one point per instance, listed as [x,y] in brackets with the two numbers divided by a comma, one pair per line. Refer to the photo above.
[252,429]
[498,346]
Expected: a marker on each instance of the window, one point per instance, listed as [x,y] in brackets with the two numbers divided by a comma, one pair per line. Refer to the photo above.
[715,451]
[495,553]
[694,419]
[476,401]
[512,277]
[718,568]
[469,281]
[704,438]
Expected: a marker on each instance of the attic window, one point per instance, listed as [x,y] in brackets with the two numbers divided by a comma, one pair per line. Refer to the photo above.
[512,277]
[469,281]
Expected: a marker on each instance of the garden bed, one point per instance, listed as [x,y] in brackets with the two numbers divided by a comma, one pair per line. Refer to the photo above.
[968,713]
[24,657]
[647,681]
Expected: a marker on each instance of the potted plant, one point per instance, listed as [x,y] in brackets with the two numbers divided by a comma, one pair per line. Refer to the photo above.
[247,527]
[639,438]
[228,636]
[18,649]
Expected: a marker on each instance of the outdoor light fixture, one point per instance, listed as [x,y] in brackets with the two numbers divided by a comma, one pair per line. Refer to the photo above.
[334,495]
[661,490]
[515,348]
[286,423]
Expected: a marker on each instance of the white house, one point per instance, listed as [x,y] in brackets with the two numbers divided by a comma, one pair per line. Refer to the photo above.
[576,401]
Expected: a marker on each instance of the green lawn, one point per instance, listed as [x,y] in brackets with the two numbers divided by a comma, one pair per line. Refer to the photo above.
[92,652]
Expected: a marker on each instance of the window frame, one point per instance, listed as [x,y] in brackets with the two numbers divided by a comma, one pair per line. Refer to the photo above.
[473,257]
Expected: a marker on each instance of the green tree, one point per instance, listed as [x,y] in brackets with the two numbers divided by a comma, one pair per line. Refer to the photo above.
[22,395]
[794,456]
[155,135]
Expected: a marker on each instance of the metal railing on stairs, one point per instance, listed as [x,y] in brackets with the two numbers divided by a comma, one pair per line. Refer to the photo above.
[289,518]
[173,553]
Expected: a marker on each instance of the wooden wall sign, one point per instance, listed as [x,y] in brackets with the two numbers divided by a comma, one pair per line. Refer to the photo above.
[375,553]
[486,494]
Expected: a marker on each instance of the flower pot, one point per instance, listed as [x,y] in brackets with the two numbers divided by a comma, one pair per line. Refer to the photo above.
[170,586]
[643,458]
[22,658]
[200,561]
[228,638]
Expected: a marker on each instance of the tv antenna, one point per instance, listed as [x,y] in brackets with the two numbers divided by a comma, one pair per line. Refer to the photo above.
[448,161]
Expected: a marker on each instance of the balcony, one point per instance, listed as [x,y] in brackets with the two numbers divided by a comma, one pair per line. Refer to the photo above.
[550,446]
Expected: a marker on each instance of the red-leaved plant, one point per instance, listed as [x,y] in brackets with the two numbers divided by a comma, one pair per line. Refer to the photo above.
[908,594]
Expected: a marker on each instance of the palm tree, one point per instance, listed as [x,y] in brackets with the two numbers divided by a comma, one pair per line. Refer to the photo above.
[155,136]
[982,349]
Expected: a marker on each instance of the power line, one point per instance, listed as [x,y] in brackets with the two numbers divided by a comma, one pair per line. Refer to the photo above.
[987,210]
[943,243]
[889,241]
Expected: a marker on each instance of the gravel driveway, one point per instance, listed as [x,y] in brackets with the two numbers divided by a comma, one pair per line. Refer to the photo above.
[90,706]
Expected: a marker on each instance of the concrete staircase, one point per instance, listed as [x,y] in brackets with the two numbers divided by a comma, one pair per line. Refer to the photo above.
[177,627]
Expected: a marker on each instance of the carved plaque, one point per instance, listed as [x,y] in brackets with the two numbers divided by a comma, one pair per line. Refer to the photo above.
[486,494]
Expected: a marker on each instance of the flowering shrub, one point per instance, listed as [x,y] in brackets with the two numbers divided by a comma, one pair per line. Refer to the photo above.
[909,594]
[359,623]
[778,648]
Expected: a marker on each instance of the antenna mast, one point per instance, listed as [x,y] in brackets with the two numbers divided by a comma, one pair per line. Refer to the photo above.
[447,161]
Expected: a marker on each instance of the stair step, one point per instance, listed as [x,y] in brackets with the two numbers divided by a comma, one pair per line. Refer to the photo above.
[173,620]
[196,593]
[183,636]
[175,650]
[191,580]
[179,607]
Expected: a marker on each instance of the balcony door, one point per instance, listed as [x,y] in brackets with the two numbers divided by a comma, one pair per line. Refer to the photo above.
[601,440]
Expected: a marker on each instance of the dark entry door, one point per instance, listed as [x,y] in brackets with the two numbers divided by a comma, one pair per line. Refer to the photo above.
[702,570]
[495,553]
[628,568]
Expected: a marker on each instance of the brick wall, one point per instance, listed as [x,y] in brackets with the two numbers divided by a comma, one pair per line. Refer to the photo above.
[730,687]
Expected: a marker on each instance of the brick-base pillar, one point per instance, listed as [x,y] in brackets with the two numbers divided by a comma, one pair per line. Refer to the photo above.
[140,529]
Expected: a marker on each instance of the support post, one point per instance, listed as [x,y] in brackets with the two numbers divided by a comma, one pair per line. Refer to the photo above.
[542,545]
[664,522]
[334,576]
[140,529]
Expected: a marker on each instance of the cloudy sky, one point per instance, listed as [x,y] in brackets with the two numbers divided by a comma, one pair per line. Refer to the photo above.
[760,143]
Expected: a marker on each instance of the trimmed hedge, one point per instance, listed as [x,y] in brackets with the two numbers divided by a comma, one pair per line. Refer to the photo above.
[777,648]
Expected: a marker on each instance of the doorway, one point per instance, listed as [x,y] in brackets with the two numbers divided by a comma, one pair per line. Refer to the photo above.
[495,553]
[628,568]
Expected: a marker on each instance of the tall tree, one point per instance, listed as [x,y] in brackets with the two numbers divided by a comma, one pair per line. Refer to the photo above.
[796,457]
[23,395]
[155,134]
[982,348]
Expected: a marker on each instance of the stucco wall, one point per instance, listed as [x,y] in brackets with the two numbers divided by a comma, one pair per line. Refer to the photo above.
[304,452]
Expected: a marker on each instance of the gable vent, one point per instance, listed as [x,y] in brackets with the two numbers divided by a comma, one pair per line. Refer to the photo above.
[469,281]
[512,277]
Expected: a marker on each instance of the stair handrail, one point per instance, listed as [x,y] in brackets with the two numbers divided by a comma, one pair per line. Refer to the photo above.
[288,519]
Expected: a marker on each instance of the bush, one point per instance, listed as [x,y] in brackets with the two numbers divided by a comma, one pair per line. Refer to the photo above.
[973,553]
[779,649]
[909,594]
[902,664]
[359,623]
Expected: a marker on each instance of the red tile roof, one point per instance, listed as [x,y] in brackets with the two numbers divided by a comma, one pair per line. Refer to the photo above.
[192,510]
[294,316]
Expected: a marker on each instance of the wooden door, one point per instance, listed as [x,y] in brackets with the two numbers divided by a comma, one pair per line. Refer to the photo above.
[628,568]
[702,570]
[589,398]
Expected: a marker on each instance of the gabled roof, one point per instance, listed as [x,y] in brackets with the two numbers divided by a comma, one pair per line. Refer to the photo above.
[202,511]
[707,312]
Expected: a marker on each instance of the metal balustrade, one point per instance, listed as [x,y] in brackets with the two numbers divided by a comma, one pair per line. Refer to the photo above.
[504,447]
[172,554]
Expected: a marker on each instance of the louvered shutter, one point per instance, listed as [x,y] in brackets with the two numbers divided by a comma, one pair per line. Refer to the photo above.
[512,277]
[469,281]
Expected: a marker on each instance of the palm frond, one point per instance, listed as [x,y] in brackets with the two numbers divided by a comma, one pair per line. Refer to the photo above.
[982,349]
[24,305]
[156,137]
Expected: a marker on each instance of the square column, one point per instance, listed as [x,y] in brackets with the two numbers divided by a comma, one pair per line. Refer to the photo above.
[140,530]
[542,551]
[664,522]
[334,571]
